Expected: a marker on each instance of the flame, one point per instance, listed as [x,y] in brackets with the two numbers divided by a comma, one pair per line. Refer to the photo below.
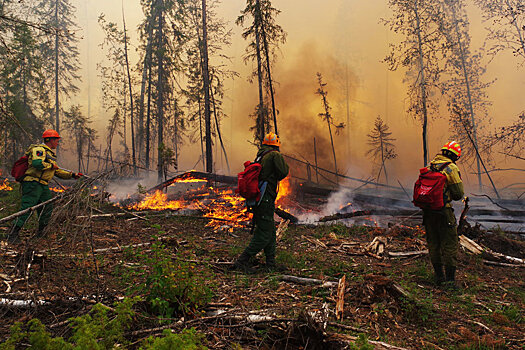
[56,189]
[157,201]
[5,186]
[285,189]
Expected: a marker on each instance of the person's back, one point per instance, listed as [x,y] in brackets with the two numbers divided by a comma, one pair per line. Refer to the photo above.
[440,225]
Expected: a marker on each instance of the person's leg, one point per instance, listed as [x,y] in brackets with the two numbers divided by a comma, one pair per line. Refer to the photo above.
[432,221]
[450,245]
[31,192]
[44,214]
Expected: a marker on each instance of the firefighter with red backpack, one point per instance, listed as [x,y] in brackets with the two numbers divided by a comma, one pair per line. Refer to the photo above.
[34,171]
[438,185]
[273,168]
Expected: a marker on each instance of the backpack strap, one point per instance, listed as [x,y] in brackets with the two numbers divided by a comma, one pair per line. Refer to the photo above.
[441,167]
[259,158]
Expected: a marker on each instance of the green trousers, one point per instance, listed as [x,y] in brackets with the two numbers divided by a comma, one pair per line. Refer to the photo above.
[34,193]
[442,236]
[264,233]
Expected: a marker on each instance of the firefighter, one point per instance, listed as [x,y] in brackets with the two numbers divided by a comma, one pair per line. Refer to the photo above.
[274,169]
[440,225]
[41,169]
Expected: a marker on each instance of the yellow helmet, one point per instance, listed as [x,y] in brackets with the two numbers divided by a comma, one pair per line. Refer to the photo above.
[272,139]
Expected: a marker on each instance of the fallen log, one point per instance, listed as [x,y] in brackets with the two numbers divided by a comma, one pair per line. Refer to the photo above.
[195,175]
[349,339]
[286,215]
[339,216]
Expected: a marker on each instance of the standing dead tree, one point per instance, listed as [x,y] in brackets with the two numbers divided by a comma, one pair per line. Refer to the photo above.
[420,53]
[327,117]
[381,146]
[463,85]
[508,25]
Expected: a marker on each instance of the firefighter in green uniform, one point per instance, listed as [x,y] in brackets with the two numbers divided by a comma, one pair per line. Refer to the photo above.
[41,169]
[274,169]
[440,225]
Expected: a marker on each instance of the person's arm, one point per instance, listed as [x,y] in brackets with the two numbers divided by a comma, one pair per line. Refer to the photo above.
[454,182]
[64,174]
[281,168]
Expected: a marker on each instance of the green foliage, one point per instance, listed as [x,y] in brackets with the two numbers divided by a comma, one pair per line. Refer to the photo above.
[168,286]
[98,330]
[189,339]
[361,343]
[420,310]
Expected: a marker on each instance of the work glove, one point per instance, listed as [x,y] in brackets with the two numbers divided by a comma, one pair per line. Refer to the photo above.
[77,175]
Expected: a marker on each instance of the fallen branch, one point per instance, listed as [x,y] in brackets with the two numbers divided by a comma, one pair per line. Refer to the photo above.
[407,254]
[22,212]
[308,281]
[286,215]
[351,339]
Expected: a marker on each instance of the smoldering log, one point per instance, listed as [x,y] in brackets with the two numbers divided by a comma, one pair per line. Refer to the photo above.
[286,215]
[196,175]
[339,216]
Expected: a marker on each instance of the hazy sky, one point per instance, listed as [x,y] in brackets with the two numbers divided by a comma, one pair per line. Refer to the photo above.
[340,39]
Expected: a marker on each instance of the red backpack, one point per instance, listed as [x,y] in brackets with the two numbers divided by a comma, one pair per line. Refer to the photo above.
[428,189]
[18,171]
[248,180]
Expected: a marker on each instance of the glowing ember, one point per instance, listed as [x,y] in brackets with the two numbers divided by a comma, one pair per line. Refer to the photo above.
[4,186]
[158,201]
[56,189]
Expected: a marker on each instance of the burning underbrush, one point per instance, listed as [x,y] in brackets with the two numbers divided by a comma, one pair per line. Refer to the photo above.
[225,208]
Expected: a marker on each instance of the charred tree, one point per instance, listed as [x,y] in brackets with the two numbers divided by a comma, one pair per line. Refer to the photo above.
[206,82]
[381,146]
[327,117]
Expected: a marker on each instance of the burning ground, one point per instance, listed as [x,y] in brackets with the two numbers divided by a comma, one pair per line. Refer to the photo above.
[388,294]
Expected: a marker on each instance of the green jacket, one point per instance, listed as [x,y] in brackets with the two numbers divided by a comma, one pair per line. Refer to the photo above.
[274,169]
[454,186]
[43,165]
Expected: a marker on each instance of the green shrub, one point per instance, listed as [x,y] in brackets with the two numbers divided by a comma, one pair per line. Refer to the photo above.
[361,343]
[100,329]
[189,339]
[168,286]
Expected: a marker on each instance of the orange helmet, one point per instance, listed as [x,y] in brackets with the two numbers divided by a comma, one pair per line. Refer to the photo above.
[50,133]
[453,147]
[272,139]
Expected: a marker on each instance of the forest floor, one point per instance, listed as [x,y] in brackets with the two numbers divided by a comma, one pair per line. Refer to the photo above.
[179,267]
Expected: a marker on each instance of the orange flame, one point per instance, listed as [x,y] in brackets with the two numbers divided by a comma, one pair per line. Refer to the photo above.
[5,186]
[56,189]
[158,201]
[285,189]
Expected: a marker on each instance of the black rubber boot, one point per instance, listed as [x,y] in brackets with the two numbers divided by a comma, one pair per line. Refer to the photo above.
[272,266]
[439,277]
[243,264]
[14,237]
[450,277]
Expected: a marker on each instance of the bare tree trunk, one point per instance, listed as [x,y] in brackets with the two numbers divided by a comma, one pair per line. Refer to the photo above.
[260,113]
[147,63]
[423,87]
[469,95]
[160,94]
[218,127]
[203,158]
[57,105]
[148,115]
[206,77]
[130,94]
[267,53]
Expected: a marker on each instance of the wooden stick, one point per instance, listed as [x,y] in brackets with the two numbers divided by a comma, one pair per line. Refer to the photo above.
[339,305]
[308,281]
[22,212]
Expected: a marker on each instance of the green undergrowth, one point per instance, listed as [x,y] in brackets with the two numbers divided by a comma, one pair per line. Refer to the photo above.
[169,284]
[100,329]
